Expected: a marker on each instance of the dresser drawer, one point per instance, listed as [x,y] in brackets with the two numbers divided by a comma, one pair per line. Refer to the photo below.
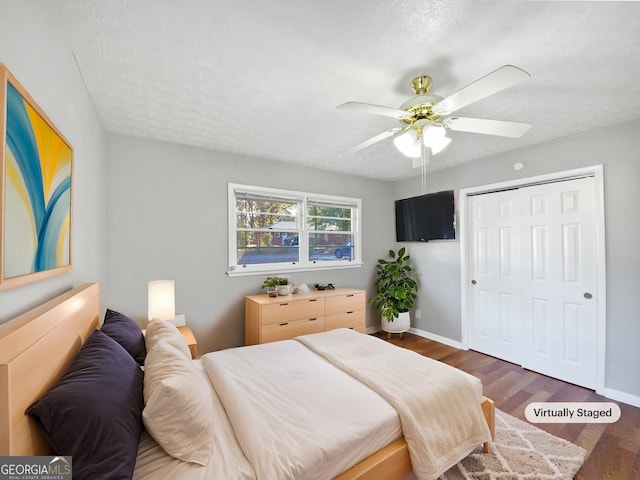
[287,330]
[288,310]
[345,303]
[350,319]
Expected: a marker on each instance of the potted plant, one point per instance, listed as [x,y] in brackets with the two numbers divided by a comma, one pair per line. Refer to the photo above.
[279,284]
[397,291]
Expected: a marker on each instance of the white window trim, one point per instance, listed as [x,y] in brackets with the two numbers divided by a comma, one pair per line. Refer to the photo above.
[303,265]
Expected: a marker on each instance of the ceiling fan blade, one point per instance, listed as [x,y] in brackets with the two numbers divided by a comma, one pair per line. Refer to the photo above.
[375,109]
[494,82]
[378,138]
[488,127]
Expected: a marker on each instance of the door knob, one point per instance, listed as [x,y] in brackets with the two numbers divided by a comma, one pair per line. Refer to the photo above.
[588,296]
[473,282]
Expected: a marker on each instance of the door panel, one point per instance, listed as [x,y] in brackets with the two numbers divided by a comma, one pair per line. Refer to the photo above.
[533,258]
[495,303]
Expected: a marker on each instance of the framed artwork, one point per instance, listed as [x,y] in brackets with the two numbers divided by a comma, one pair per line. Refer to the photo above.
[36,169]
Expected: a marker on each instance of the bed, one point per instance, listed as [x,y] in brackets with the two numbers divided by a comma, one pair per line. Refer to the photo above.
[57,330]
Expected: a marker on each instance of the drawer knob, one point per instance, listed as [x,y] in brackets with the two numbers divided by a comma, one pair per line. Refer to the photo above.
[284,304]
[350,295]
[313,319]
[349,313]
[284,324]
[313,299]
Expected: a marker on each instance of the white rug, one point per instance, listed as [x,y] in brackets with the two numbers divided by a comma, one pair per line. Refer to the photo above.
[520,451]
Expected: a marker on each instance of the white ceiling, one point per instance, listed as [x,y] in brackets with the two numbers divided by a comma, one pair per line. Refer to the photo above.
[263,78]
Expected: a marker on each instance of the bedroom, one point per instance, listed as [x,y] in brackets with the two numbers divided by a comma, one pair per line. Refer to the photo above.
[163,180]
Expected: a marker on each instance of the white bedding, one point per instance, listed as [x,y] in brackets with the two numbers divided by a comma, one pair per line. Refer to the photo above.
[441,417]
[331,420]
[227,460]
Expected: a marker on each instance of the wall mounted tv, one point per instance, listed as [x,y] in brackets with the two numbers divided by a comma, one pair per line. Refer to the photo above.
[426,217]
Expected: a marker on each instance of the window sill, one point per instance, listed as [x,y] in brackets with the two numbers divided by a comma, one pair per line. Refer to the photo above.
[240,272]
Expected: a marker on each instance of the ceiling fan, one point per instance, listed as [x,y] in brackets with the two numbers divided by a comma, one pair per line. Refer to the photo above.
[425,118]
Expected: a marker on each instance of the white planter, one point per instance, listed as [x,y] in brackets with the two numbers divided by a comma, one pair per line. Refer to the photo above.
[284,289]
[399,325]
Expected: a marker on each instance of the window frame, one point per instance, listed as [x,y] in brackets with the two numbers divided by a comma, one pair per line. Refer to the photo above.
[302,199]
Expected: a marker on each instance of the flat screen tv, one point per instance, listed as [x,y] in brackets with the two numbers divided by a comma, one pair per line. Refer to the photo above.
[426,217]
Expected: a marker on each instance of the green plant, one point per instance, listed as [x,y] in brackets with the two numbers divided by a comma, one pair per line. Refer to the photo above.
[275,281]
[268,239]
[397,291]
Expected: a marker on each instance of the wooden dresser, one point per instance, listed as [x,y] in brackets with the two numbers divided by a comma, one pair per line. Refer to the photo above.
[268,319]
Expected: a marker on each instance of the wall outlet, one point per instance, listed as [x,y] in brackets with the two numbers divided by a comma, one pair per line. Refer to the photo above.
[417,313]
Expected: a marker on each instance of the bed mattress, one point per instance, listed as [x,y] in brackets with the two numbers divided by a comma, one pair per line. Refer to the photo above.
[331,420]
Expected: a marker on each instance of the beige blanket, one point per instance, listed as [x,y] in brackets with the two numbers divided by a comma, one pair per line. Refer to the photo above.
[441,417]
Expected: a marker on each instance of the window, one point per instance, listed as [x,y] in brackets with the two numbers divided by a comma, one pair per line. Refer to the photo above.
[272,230]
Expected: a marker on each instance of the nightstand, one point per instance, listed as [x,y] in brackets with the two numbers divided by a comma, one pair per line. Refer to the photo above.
[190,339]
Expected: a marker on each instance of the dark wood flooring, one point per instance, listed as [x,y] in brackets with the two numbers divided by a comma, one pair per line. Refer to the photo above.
[613,449]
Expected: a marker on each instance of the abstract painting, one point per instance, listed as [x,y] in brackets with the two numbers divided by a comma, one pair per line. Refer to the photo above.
[35,189]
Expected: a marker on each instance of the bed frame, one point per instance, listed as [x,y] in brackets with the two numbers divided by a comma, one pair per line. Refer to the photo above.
[37,347]
[35,350]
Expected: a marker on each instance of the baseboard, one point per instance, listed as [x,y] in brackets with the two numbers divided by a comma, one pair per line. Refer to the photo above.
[617,395]
[424,334]
[437,338]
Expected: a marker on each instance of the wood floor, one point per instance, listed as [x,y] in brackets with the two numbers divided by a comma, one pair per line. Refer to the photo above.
[613,449]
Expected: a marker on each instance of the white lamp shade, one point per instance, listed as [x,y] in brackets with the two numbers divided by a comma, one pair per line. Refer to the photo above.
[162,300]
[435,138]
[408,144]
[440,145]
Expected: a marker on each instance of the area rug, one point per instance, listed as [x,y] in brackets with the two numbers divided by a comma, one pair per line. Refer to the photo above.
[520,451]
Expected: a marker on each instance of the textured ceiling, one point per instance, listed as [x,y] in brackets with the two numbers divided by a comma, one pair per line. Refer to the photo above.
[263,78]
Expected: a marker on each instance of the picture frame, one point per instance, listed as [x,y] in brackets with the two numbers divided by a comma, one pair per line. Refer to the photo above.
[36,180]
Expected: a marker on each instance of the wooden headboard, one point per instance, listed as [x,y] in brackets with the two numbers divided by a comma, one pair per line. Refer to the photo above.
[35,350]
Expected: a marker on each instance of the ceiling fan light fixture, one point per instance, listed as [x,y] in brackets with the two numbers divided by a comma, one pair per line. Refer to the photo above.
[408,144]
[434,137]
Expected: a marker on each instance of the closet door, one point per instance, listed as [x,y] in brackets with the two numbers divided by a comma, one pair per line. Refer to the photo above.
[558,281]
[533,261]
[496,322]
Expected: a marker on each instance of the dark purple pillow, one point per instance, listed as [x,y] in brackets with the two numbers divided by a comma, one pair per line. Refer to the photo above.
[126,332]
[94,413]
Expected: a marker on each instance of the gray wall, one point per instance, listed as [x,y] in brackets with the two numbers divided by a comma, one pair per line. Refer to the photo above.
[618,149]
[167,219]
[33,46]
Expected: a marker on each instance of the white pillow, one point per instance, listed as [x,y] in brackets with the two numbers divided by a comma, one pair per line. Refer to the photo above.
[178,410]
[161,330]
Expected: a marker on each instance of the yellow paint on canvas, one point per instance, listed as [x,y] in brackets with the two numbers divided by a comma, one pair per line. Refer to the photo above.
[54,154]
[63,242]
[15,178]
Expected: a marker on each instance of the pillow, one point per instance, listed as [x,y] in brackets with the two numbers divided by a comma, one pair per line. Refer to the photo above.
[126,332]
[178,410]
[94,413]
[161,330]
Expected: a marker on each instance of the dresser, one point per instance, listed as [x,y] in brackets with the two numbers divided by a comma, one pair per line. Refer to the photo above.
[268,319]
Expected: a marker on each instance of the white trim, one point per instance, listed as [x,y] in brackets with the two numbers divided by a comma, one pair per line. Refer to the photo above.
[424,334]
[597,172]
[437,338]
[617,395]
[267,268]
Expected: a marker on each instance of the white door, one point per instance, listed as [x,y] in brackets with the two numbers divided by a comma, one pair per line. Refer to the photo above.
[533,261]
[496,322]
